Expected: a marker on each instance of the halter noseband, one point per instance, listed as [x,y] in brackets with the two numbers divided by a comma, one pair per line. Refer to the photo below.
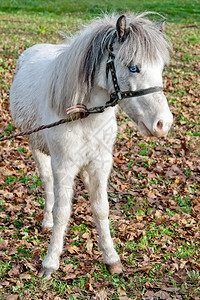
[118,95]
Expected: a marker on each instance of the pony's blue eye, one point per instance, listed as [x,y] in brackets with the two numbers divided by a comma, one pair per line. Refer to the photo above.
[134,69]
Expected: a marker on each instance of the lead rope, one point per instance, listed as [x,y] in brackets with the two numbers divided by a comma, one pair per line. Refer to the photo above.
[74,113]
[27,132]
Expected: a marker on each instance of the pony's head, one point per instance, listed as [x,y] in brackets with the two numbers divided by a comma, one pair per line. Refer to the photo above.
[141,52]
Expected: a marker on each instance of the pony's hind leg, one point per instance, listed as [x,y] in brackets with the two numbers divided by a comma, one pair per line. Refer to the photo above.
[44,162]
[99,202]
[63,187]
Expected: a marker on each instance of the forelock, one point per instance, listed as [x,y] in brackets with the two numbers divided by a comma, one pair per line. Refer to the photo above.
[144,43]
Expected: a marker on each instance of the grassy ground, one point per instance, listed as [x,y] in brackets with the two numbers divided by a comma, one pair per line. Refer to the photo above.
[154,188]
[181,10]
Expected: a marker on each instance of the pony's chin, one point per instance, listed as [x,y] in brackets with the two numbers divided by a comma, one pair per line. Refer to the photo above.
[144,130]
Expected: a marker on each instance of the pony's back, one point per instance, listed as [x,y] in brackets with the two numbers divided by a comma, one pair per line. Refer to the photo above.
[28,94]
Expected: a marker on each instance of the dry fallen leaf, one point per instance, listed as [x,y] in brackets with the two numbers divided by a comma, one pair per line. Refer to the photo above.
[25,276]
[3,245]
[73,249]
[121,291]
[153,188]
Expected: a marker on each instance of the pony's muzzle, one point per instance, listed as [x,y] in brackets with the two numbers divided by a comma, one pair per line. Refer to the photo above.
[161,127]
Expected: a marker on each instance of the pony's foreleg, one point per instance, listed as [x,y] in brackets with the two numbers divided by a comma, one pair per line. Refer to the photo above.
[63,190]
[100,207]
[44,162]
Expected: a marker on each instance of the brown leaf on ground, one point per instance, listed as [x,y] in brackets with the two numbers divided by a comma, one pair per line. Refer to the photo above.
[154,196]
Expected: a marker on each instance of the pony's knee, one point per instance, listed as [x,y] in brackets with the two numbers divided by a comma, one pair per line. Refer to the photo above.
[46,174]
[100,214]
[100,208]
[61,214]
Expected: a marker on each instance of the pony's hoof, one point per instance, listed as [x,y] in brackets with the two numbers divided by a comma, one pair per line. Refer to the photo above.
[47,275]
[44,273]
[115,268]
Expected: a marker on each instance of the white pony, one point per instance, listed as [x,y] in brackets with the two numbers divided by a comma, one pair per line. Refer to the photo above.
[51,78]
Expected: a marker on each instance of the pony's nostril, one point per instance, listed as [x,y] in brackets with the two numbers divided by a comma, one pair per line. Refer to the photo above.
[161,128]
[160,125]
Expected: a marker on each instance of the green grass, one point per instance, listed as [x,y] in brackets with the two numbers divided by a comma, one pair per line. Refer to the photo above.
[24,23]
[33,181]
[174,10]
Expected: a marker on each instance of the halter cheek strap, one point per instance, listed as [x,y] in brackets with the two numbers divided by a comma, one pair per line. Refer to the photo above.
[119,95]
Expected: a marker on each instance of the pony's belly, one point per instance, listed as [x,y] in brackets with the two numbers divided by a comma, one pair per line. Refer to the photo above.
[38,141]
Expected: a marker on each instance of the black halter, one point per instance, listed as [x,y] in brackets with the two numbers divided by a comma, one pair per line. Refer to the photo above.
[118,95]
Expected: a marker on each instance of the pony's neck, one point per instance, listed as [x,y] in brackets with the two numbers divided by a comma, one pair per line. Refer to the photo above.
[99,97]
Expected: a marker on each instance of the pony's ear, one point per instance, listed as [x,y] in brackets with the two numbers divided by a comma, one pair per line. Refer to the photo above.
[121,28]
[160,25]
